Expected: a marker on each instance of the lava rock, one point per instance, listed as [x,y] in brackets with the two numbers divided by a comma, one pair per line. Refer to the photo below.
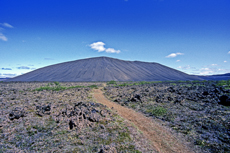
[138,96]
[41,110]
[134,99]
[171,89]
[170,98]
[158,99]
[94,117]
[205,93]
[117,100]
[71,124]
[46,108]
[224,100]
[16,113]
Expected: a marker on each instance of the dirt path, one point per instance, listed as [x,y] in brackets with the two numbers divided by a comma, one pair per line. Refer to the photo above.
[162,140]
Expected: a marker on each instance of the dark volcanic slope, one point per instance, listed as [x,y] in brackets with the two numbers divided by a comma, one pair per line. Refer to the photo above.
[104,69]
[217,77]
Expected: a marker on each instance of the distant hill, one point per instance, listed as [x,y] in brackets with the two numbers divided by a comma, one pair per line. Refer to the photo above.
[217,77]
[3,79]
[104,69]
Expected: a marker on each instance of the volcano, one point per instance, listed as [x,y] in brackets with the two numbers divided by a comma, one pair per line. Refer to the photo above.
[104,69]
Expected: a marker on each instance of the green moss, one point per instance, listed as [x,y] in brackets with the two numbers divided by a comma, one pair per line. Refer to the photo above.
[57,83]
[62,132]
[157,111]
[56,86]
[137,83]
[31,133]
[124,136]
[76,87]
[224,83]
[93,86]
[39,128]
[200,142]
[130,148]
[111,82]
[133,106]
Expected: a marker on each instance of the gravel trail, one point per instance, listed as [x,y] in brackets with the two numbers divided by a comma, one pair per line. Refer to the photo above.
[162,140]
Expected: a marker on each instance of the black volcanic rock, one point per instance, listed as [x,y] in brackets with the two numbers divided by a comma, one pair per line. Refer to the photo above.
[104,69]
[224,100]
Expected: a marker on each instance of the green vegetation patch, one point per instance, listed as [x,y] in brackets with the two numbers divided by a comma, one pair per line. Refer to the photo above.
[111,82]
[223,83]
[138,83]
[56,86]
[157,111]
[93,86]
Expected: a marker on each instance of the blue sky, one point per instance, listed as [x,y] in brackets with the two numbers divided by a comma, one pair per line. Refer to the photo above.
[192,36]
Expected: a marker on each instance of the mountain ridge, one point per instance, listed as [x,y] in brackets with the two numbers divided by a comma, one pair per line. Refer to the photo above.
[216,77]
[104,69]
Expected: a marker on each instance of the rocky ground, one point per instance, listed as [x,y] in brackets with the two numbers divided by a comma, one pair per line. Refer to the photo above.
[62,118]
[199,111]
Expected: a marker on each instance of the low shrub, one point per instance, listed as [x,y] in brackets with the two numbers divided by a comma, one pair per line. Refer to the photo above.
[157,111]
[56,86]
[111,82]
[93,86]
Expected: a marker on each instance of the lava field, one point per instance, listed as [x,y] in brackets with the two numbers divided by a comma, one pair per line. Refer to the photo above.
[64,118]
[197,110]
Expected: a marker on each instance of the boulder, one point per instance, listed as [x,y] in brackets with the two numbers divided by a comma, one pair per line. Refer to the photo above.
[71,124]
[224,100]
[16,113]
[138,96]
[94,117]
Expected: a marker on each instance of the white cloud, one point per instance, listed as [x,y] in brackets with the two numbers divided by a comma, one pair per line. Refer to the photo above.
[185,67]
[205,69]
[7,75]
[111,50]
[6,25]
[177,60]
[225,61]
[99,46]
[211,71]
[48,59]
[2,37]
[6,68]
[206,73]
[172,55]
[228,52]
[23,67]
